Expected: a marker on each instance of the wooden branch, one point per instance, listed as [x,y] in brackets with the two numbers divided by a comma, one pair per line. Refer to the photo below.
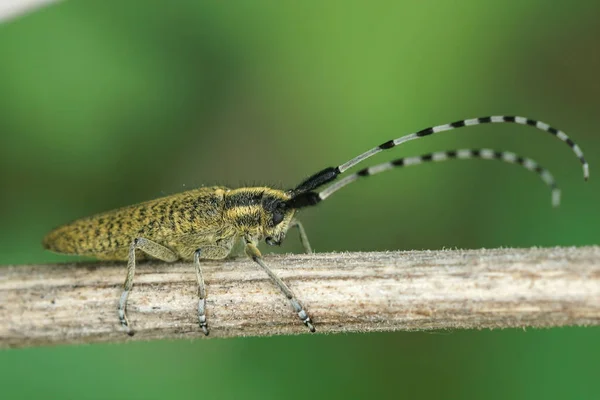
[10,9]
[343,292]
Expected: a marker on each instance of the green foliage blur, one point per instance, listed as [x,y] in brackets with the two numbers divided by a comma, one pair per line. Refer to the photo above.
[108,103]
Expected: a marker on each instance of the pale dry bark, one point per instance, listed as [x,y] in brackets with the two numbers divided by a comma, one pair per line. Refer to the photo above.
[343,292]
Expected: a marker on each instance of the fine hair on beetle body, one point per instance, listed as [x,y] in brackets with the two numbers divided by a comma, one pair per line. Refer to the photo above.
[206,223]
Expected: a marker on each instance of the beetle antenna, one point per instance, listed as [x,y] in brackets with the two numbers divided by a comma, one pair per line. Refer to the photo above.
[311,198]
[329,174]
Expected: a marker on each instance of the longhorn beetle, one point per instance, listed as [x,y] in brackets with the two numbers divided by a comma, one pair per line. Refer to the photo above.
[205,223]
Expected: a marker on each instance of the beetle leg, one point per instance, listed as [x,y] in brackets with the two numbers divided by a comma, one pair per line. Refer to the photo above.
[253,252]
[303,238]
[151,248]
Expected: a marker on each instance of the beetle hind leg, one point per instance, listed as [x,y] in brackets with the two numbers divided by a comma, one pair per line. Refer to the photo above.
[151,248]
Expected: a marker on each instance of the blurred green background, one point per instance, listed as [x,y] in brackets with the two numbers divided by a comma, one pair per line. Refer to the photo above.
[104,104]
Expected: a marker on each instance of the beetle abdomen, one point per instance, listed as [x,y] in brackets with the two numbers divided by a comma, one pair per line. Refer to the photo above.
[191,212]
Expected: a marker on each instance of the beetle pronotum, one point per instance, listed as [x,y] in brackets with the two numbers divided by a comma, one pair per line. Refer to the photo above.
[205,223]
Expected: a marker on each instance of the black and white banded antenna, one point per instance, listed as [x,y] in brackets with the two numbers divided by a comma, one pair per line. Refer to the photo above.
[463,154]
[303,194]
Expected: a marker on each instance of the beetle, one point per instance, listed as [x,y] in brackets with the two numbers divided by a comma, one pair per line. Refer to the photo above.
[206,223]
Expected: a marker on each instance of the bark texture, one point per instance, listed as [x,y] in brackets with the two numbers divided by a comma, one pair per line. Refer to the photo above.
[343,292]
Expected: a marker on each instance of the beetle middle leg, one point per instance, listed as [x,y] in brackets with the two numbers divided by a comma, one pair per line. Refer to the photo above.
[151,248]
[206,252]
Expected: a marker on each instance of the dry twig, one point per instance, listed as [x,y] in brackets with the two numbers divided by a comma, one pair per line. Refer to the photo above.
[10,9]
[344,292]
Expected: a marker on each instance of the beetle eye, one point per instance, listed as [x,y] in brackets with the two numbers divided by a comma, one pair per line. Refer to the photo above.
[277,217]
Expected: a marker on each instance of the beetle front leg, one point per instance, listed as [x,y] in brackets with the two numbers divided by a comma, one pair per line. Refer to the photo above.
[253,252]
